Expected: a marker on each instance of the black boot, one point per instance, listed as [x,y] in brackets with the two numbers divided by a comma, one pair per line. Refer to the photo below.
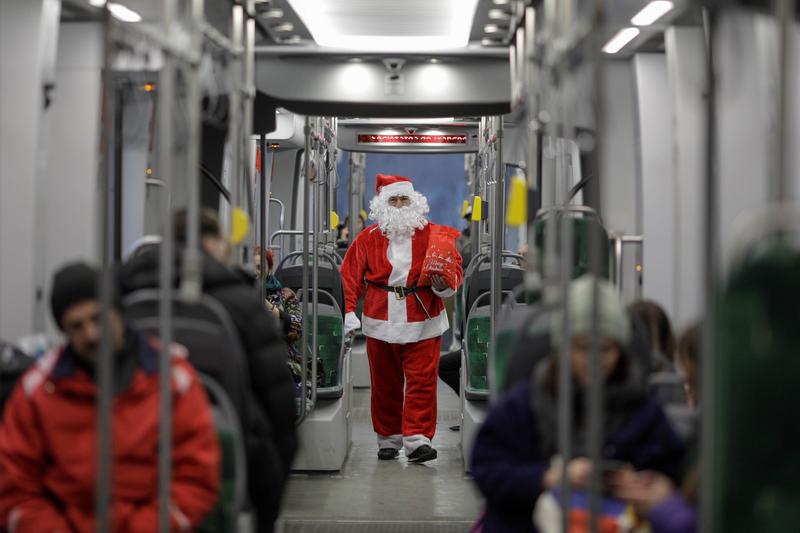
[422,454]
[387,454]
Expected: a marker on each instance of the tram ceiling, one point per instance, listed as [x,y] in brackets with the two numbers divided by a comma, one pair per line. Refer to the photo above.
[374,86]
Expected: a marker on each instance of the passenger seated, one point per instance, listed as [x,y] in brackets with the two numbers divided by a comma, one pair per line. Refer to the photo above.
[688,359]
[659,332]
[48,440]
[511,460]
[669,509]
[343,232]
[271,432]
[283,303]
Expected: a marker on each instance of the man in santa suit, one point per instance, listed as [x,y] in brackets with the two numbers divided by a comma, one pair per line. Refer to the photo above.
[403,322]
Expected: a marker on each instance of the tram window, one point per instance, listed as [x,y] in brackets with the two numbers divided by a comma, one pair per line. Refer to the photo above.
[439,177]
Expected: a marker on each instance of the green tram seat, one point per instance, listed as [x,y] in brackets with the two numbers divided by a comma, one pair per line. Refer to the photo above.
[476,332]
[755,467]
[225,515]
[582,230]
[290,273]
[476,347]
[331,344]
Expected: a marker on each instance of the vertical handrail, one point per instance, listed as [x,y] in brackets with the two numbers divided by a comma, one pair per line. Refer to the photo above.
[192,277]
[105,363]
[235,105]
[166,100]
[281,216]
[618,261]
[263,200]
[248,97]
[596,405]
[317,227]
[498,232]
[784,15]
[304,329]
[282,212]
[708,447]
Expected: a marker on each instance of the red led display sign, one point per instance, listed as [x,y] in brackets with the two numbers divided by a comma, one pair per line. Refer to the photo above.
[411,138]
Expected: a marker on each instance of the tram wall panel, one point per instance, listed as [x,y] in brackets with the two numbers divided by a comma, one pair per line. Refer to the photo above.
[69,185]
[685,51]
[656,170]
[619,179]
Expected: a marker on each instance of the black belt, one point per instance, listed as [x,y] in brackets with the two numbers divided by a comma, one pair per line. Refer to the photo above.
[401,292]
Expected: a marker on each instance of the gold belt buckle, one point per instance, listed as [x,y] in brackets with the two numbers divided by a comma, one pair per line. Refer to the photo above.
[399,293]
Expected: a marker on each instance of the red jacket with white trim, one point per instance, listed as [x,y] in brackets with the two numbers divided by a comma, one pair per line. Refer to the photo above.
[48,442]
[396,263]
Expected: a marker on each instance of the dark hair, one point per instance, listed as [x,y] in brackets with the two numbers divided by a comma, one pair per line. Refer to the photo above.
[209,225]
[690,345]
[658,326]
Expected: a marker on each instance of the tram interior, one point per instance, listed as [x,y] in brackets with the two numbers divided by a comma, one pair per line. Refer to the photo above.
[646,144]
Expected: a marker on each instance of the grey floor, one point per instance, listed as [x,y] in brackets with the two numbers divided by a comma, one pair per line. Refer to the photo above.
[386,496]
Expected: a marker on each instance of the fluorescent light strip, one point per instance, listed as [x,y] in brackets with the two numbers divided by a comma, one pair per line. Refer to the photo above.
[620,40]
[652,12]
[123,13]
[118,11]
[322,18]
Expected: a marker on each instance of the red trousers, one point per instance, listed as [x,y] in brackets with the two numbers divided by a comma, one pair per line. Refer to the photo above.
[415,367]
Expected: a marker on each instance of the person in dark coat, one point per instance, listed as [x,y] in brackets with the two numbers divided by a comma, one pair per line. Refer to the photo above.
[272,435]
[513,450]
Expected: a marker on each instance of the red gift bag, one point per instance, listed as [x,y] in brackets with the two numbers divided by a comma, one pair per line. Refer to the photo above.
[442,257]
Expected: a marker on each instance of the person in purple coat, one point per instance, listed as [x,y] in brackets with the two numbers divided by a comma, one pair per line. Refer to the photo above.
[668,508]
[511,459]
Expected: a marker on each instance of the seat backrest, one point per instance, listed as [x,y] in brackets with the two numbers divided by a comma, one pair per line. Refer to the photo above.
[233,467]
[480,281]
[530,345]
[13,363]
[205,329]
[583,230]
[755,467]
[290,273]
[330,343]
[513,317]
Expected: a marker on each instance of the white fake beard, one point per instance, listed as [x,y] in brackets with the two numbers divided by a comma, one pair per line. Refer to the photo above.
[399,221]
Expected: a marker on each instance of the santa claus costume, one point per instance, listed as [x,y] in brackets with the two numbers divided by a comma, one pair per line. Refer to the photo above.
[403,322]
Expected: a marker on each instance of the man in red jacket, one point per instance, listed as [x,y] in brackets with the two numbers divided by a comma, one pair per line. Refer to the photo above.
[403,322]
[48,440]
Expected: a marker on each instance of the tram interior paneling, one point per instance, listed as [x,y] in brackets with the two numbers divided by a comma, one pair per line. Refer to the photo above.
[644,146]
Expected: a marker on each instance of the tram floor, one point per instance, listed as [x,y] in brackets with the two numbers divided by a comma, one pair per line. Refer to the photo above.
[369,495]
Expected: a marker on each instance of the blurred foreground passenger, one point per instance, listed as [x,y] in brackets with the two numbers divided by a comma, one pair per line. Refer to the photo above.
[48,441]
[269,426]
[512,460]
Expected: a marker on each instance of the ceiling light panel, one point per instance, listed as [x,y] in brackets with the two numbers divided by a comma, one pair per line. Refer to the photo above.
[652,12]
[388,26]
[620,40]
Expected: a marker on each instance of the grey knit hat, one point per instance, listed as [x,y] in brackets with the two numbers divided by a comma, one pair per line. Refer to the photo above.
[612,320]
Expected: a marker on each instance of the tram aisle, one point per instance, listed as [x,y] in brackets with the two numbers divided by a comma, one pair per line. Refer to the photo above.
[369,495]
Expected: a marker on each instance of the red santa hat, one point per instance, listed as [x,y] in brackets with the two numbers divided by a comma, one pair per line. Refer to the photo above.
[393,185]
